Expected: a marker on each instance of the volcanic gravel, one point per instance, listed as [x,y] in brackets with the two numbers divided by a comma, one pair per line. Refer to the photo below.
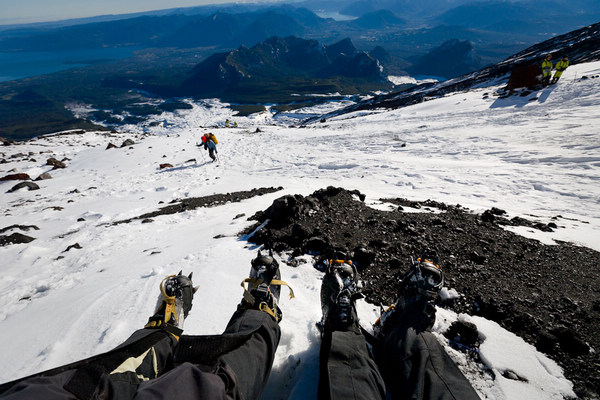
[547,294]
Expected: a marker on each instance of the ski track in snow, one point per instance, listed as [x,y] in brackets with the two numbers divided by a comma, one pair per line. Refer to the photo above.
[534,156]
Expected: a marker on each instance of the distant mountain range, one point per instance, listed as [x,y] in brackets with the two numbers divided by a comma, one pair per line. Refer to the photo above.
[453,58]
[286,65]
[379,19]
[257,53]
[581,45]
[405,28]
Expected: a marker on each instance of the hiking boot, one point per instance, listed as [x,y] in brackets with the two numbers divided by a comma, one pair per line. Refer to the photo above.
[264,286]
[177,293]
[424,280]
[340,289]
[419,289]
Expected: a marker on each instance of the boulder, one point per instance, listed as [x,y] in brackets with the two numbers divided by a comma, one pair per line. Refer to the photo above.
[22,227]
[56,164]
[28,185]
[16,177]
[4,142]
[44,176]
[15,238]
[463,332]
[363,257]
[111,146]
[128,142]
[165,165]
[525,76]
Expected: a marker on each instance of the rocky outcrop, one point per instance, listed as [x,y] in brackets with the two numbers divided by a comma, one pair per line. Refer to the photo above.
[285,65]
[524,76]
[582,45]
[545,294]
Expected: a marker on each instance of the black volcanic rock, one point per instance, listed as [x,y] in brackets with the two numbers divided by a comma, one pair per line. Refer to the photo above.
[546,294]
[453,58]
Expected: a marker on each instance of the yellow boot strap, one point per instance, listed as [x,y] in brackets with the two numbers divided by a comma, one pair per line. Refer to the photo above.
[255,282]
[169,301]
[264,307]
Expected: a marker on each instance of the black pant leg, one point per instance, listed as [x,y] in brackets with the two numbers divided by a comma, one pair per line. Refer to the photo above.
[347,370]
[115,374]
[416,366]
[242,356]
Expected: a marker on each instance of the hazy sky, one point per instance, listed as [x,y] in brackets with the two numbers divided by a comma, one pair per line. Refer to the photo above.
[25,11]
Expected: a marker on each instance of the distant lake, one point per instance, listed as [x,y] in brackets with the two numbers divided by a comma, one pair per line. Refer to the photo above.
[27,64]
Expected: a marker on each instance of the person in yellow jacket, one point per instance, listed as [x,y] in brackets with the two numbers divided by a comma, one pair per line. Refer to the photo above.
[560,68]
[546,69]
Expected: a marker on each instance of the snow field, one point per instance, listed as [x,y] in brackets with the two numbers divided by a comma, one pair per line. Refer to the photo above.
[534,156]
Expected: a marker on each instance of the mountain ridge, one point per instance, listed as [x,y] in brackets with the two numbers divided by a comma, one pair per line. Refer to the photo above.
[582,45]
[286,65]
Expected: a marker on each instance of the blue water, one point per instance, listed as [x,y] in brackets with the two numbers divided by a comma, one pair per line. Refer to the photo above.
[425,77]
[27,64]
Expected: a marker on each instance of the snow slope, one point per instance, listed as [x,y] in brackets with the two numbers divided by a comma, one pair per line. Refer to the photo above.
[536,155]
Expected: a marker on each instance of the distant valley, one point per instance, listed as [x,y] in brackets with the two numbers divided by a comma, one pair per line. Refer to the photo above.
[227,52]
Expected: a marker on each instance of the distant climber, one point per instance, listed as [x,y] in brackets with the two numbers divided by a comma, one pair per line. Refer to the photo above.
[560,68]
[546,70]
[209,140]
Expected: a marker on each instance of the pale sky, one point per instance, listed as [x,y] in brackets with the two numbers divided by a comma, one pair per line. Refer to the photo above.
[26,11]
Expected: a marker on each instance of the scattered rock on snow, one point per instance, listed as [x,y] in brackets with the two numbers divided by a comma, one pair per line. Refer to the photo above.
[73,246]
[16,177]
[463,332]
[56,164]
[508,374]
[15,238]
[21,227]
[44,176]
[500,275]
[206,201]
[28,185]
[165,165]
